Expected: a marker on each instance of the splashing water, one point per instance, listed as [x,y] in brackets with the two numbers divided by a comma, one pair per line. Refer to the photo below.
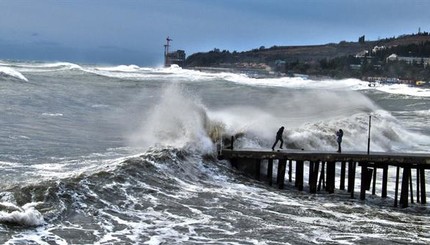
[178,120]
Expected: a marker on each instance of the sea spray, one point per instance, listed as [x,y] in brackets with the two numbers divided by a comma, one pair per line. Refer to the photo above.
[178,120]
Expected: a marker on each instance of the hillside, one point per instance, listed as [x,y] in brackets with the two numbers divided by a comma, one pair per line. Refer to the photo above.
[310,59]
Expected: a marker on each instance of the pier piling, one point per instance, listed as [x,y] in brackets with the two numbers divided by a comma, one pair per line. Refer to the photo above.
[342,175]
[270,171]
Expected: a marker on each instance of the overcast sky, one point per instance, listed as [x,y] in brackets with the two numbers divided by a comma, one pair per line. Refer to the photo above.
[134,32]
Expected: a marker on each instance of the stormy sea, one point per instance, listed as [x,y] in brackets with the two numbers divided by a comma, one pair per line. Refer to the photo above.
[93,154]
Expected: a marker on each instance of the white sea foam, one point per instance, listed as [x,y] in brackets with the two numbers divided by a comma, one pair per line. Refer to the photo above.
[52,114]
[423,112]
[9,72]
[26,215]
[45,67]
[185,75]
[59,66]
[120,68]
[404,89]
[180,74]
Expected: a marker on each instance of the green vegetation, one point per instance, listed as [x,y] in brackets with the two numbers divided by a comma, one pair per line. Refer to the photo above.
[345,59]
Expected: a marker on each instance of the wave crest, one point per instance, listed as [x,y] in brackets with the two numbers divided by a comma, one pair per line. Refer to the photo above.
[9,72]
[26,215]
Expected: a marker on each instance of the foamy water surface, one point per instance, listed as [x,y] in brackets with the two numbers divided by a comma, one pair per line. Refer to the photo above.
[126,154]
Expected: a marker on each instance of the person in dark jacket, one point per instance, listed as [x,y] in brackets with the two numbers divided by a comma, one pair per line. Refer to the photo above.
[339,135]
[279,138]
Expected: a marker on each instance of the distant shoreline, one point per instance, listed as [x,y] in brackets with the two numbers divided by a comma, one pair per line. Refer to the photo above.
[406,57]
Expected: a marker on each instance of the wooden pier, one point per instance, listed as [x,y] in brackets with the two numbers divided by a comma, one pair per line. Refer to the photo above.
[322,170]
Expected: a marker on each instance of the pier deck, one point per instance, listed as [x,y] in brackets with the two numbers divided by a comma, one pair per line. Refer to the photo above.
[322,169]
[401,159]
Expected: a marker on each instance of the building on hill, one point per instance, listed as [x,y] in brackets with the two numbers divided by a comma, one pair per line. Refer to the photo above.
[409,60]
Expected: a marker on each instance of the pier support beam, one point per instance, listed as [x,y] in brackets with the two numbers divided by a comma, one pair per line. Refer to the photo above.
[423,186]
[233,162]
[299,175]
[384,181]
[418,185]
[257,168]
[363,181]
[270,171]
[282,164]
[374,181]
[311,172]
[331,176]
[322,177]
[351,177]
[342,176]
[313,177]
[366,178]
[290,170]
[410,186]
[397,186]
[404,191]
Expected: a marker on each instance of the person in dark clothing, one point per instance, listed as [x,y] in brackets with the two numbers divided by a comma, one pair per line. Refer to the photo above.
[339,135]
[279,138]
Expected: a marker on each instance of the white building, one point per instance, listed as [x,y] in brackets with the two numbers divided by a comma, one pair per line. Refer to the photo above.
[409,60]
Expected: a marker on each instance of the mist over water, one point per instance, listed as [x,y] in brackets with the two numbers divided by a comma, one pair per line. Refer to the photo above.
[126,154]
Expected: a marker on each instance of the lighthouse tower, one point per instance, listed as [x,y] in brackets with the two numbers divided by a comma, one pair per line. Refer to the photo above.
[166,52]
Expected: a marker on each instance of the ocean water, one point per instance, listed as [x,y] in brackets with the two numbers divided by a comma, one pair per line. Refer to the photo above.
[126,155]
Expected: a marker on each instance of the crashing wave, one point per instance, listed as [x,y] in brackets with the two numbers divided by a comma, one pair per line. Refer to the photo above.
[179,120]
[9,72]
[26,215]
[61,66]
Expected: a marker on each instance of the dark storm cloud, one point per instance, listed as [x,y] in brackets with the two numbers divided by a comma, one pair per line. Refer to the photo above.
[140,27]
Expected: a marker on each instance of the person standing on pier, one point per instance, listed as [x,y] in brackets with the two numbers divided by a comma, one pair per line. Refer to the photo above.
[339,135]
[279,138]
